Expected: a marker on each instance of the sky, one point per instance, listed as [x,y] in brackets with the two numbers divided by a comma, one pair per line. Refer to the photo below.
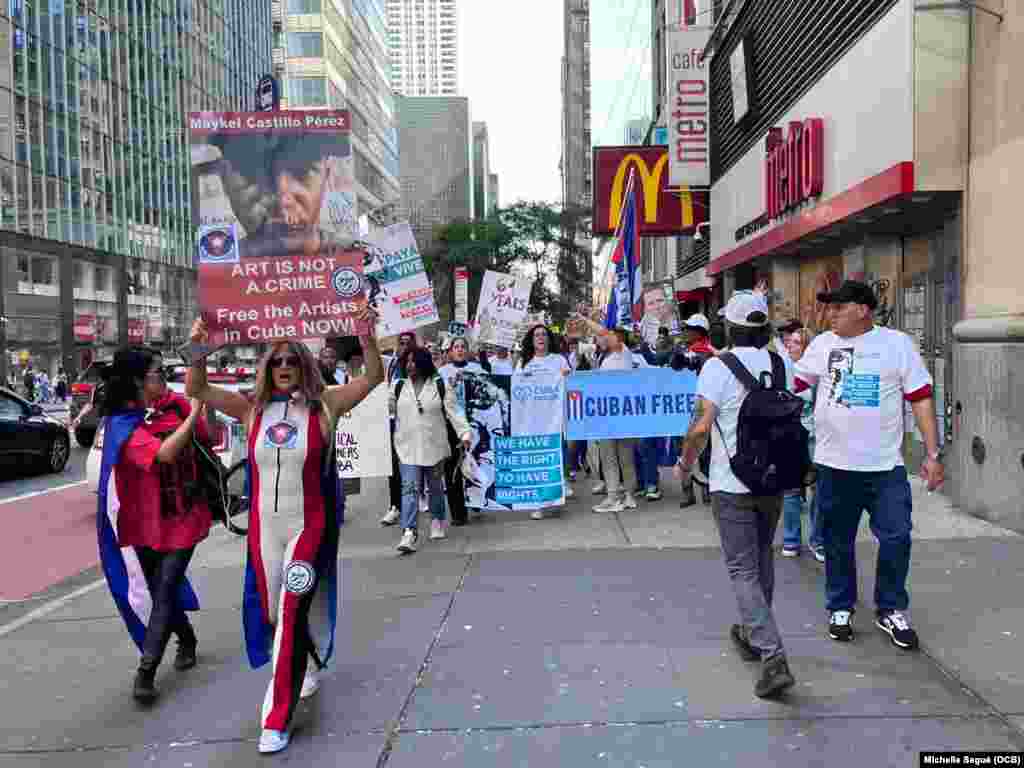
[510,63]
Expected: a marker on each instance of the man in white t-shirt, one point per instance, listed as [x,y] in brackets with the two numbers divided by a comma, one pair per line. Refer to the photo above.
[501,365]
[865,374]
[746,523]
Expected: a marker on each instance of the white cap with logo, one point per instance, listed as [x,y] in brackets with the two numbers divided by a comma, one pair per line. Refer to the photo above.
[697,321]
[747,308]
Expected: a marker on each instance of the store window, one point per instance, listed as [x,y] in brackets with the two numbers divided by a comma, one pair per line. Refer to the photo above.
[37,274]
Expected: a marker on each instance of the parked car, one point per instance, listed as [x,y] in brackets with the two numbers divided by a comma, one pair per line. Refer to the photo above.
[30,438]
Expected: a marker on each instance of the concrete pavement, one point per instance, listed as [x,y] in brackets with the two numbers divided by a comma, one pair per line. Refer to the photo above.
[583,639]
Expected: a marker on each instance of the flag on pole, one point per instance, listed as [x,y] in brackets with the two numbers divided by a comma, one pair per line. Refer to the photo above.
[625,306]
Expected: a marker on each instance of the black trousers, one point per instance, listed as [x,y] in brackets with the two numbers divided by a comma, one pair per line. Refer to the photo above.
[164,572]
[395,481]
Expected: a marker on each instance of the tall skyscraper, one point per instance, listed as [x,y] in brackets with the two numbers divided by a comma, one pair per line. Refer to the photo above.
[576,164]
[482,203]
[95,230]
[332,54]
[423,44]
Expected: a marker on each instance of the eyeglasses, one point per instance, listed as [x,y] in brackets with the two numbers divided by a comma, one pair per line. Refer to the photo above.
[291,361]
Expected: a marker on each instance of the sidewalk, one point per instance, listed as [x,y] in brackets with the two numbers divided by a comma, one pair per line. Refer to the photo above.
[583,639]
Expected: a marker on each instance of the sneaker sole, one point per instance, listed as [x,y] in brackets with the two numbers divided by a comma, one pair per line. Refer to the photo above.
[840,639]
[790,553]
[892,637]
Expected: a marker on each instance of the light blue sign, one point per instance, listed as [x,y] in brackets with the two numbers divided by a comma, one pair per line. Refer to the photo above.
[528,469]
[648,402]
[660,135]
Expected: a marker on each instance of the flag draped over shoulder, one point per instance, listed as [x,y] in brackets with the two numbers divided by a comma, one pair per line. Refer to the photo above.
[625,306]
[120,564]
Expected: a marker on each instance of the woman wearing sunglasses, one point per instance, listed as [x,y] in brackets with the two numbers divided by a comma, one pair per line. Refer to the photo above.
[150,517]
[293,522]
[424,405]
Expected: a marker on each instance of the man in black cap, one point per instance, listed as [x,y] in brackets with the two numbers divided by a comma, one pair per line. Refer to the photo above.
[864,374]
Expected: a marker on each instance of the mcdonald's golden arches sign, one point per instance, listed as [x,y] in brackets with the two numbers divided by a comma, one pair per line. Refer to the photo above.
[662,213]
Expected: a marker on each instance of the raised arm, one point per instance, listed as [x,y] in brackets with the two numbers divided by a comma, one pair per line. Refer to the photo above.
[344,397]
[172,446]
[231,403]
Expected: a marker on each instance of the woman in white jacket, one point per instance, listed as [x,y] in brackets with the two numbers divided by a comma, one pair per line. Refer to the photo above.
[421,443]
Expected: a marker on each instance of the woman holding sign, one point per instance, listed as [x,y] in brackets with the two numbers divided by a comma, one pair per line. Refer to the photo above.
[293,528]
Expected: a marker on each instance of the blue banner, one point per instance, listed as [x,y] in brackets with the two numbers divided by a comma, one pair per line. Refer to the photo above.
[647,402]
[529,470]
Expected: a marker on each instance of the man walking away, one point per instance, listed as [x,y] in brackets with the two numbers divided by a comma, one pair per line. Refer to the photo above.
[864,374]
[747,517]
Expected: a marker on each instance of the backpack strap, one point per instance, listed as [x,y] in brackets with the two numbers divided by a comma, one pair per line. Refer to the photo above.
[398,389]
[778,371]
[739,371]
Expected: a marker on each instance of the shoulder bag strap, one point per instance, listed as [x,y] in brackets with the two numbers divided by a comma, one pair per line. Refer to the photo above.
[739,371]
[778,371]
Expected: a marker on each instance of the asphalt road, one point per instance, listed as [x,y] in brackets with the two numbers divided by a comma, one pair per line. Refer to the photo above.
[35,482]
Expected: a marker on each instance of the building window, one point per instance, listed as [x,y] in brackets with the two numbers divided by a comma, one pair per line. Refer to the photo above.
[307,91]
[306,44]
[37,275]
[303,6]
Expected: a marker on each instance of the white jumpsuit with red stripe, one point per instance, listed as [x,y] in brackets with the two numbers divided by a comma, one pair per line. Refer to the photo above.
[287,530]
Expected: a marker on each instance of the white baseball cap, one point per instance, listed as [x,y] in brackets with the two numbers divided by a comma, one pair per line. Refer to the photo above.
[698,321]
[748,309]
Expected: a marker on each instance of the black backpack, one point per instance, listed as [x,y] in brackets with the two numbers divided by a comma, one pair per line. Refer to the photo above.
[772,453]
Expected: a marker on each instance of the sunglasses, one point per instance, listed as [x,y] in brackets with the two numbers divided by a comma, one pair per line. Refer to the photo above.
[291,361]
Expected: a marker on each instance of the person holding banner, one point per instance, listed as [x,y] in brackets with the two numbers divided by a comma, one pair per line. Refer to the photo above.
[291,589]
[537,354]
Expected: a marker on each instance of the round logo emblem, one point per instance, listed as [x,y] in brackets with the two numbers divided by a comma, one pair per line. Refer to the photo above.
[282,435]
[347,282]
[299,577]
[218,245]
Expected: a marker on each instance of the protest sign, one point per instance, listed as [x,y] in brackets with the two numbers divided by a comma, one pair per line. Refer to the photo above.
[363,439]
[489,412]
[504,301]
[461,314]
[275,204]
[529,461]
[396,281]
[647,402]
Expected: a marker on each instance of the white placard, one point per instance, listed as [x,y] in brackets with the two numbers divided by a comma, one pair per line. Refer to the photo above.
[504,300]
[688,107]
[363,438]
[397,285]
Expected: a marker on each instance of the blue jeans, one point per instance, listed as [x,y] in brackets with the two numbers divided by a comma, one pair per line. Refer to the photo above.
[412,478]
[647,467]
[792,508]
[843,495]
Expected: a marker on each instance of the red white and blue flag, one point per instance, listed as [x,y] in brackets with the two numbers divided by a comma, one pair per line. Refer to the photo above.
[626,303]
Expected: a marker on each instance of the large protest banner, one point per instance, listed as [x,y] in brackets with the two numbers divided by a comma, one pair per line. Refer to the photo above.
[489,412]
[504,301]
[397,283]
[363,439]
[647,402]
[529,461]
[273,195]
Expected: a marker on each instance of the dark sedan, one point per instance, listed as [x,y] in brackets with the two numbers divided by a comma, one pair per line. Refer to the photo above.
[29,438]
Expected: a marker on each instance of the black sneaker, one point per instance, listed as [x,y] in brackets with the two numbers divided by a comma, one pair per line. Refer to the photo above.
[185,658]
[775,678]
[840,626]
[746,651]
[896,626]
[143,690]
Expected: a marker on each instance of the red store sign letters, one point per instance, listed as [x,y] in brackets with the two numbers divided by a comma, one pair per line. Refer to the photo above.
[794,165]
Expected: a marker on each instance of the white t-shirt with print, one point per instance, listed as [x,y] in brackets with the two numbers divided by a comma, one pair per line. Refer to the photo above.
[501,367]
[618,361]
[718,385]
[553,363]
[858,416]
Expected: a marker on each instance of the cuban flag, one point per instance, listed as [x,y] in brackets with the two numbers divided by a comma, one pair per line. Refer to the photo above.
[625,306]
[120,564]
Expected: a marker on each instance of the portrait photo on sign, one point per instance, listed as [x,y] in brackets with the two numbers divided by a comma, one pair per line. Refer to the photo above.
[489,411]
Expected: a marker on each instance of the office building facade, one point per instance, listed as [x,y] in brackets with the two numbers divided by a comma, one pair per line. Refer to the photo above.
[576,163]
[95,230]
[423,44]
[483,206]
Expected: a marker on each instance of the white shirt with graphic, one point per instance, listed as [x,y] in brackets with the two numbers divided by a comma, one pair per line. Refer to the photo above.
[862,381]
[718,385]
[550,362]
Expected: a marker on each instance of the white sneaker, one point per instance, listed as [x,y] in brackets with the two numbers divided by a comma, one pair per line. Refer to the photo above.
[424,503]
[629,502]
[273,741]
[537,514]
[391,517]
[437,530]
[569,492]
[408,543]
[610,504]
[310,683]
[599,489]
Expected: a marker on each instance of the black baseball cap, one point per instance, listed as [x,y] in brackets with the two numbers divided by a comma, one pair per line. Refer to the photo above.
[851,292]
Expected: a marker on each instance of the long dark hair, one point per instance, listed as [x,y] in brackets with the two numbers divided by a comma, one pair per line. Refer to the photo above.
[528,350]
[123,379]
[742,336]
[421,361]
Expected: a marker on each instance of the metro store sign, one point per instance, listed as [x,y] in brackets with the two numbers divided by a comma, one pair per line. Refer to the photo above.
[794,166]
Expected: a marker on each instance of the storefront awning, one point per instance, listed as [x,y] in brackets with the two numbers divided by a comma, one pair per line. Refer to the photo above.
[694,286]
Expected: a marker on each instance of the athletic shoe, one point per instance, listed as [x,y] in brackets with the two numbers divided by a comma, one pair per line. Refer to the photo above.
[746,651]
[185,658]
[569,492]
[653,494]
[896,626]
[599,490]
[611,504]
[424,504]
[391,517]
[310,683]
[789,550]
[537,514]
[408,543]
[572,477]
[272,741]
[437,530]
[775,678]
[629,502]
[819,554]
[840,626]
[143,690]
